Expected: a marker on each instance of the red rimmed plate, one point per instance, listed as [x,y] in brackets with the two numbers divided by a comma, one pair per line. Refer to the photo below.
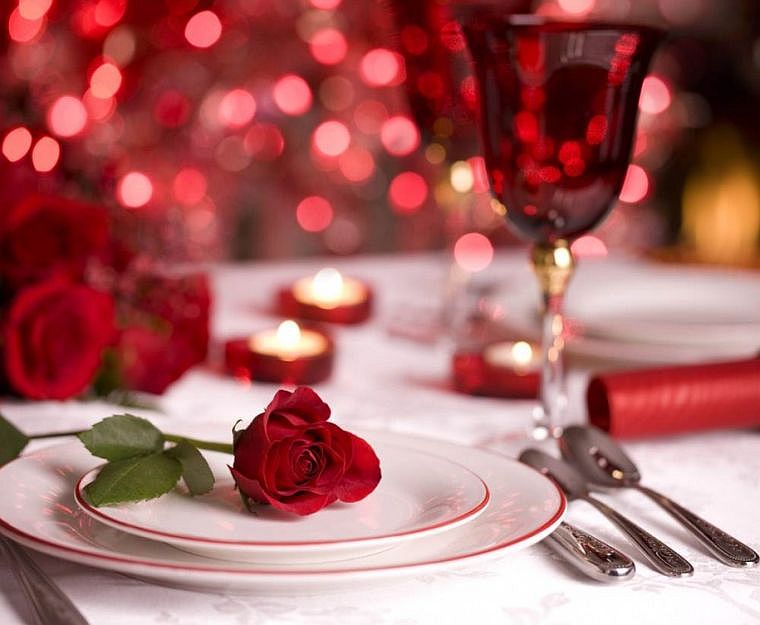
[38,510]
[408,504]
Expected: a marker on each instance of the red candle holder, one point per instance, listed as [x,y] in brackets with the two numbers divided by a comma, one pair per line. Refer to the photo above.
[289,355]
[504,369]
[327,297]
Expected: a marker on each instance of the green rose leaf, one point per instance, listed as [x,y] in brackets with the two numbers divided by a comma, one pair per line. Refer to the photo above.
[195,470]
[134,479]
[122,436]
[12,441]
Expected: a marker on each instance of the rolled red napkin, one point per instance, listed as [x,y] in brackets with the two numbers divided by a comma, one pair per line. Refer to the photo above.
[672,400]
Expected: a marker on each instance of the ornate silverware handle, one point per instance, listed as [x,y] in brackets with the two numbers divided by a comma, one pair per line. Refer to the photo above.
[663,558]
[590,555]
[726,548]
[50,605]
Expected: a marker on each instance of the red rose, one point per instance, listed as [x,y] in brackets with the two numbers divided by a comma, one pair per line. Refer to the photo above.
[292,458]
[53,338]
[44,236]
[166,331]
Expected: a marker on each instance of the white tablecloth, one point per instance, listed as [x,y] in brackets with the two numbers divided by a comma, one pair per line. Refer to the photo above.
[393,383]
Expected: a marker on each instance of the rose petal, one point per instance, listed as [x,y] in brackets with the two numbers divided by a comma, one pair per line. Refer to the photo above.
[251,448]
[250,487]
[362,475]
[304,502]
[299,407]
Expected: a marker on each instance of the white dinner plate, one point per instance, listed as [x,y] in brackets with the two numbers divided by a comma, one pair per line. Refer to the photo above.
[407,504]
[672,307]
[649,314]
[38,510]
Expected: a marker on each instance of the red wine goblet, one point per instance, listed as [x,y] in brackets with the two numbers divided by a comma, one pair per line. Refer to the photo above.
[558,112]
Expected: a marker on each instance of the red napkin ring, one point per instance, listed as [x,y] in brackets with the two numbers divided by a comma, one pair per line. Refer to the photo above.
[672,400]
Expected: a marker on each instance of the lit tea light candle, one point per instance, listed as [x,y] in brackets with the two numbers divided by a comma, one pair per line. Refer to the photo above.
[327,296]
[288,342]
[520,356]
[288,354]
[502,369]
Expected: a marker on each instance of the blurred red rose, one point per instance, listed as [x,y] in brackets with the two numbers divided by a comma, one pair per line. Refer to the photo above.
[53,337]
[43,236]
[291,458]
[165,329]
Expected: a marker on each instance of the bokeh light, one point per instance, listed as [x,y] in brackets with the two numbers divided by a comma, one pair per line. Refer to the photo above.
[105,81]
[473,251]
[314,213]
[67,116]
[399,135]
[23,30]
[331,138]
[189,186]
[357,164]
[292,95]
[134,190]
[107,13]
[461,177]
[45,154]
[33,9]
[325,5]
[16,144]
[98,109]
[369,116]
[655,95]
[408,192]
[120,45]
[236,108]
[577,7]
[588,246]
[380,67]
[596,130]
[636,185]
[203,29]
[328,46]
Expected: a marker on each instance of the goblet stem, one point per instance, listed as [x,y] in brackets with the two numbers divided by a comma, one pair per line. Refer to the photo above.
[553,265]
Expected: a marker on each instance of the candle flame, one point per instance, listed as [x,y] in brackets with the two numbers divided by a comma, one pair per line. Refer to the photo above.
[327,285]
[288,334]
[522,353]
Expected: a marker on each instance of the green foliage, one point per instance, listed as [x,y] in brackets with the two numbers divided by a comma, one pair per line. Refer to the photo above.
[12,441]
[195,470]
[122,436]
[134,479]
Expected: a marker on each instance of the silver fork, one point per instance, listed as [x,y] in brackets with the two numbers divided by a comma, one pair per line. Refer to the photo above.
[50,605]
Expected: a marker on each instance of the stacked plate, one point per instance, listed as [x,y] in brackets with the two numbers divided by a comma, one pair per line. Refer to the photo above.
[438,505]
[650,314]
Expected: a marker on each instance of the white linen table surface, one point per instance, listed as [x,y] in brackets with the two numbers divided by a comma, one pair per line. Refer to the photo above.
[384,381]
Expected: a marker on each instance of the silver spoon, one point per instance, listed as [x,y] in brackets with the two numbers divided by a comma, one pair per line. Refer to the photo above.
[593,557]
[604,463]
[663,558]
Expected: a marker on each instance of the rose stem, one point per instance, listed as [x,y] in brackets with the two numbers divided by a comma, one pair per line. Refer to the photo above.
[223,447]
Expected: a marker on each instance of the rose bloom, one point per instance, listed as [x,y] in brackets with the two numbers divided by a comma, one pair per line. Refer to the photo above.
[291,458]
[165,332]
[44,236]
[53,337]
